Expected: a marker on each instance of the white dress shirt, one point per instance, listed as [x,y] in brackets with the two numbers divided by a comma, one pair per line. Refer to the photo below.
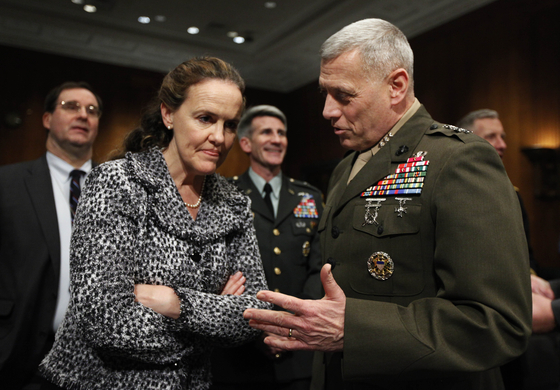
[60,178]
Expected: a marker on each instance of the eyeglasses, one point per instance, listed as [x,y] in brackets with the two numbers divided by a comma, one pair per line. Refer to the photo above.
[76,107]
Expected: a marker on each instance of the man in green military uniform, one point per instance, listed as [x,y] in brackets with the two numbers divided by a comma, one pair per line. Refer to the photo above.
[427,282]
[286,220]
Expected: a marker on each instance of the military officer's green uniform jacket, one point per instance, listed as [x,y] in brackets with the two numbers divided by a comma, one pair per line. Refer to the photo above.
[458,302]
[289,247]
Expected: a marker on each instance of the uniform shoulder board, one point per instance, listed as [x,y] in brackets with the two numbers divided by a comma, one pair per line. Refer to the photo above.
[454,129]
[457,129]
[235,181]
[302,183]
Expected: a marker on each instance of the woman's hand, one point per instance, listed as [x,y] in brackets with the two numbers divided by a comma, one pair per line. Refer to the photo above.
[161,299]
[235,284]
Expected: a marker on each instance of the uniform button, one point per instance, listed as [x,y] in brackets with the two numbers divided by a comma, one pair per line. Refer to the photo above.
[276,290]
[276,232]
[380,229]
[277,250]
[277,271]
[308,230]
[331,261]
[335,232]
[434,126]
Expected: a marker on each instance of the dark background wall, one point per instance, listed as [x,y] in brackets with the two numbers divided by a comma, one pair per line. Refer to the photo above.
[503,56]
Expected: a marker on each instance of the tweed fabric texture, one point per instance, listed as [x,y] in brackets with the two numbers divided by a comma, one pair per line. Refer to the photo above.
[132,227]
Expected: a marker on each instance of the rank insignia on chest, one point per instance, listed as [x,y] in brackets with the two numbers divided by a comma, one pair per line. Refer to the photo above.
[408,179]
[380,266]
[306,207]
[306,248]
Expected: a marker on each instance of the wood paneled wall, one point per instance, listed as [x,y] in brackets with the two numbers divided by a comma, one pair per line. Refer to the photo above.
[503,56]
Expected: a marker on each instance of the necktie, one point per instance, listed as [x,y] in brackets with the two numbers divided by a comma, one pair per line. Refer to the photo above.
[268,190]
[75,190]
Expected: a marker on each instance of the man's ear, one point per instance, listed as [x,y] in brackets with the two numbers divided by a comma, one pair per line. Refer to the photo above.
[245,144]
[166,115]
[47,120]
[398,84]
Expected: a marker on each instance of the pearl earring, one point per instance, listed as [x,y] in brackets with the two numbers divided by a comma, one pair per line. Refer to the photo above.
[169,127]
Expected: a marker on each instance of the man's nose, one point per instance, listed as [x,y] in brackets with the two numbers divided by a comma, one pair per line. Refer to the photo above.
[331,109]
[502,144]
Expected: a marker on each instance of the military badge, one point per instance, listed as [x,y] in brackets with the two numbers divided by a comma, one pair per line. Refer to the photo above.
[401,209]
[372,211]
[408,179]
[380,266]
[306,248]
[306,207]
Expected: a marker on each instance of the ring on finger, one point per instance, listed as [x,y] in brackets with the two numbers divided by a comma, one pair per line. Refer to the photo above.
[290,333]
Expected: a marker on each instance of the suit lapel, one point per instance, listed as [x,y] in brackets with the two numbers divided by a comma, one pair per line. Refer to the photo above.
[339,186]
[39,186]
[375,169]
[258,206]
[289,199]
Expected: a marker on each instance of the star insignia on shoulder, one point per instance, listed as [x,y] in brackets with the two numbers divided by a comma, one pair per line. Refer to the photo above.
[457,129]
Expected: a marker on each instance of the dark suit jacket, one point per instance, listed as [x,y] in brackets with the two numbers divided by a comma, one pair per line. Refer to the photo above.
[29,268]
[282,243]
[458,304]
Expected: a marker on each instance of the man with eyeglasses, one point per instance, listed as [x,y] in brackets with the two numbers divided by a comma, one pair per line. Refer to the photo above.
[37,204]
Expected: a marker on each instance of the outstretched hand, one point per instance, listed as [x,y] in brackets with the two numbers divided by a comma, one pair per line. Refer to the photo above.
[316,325]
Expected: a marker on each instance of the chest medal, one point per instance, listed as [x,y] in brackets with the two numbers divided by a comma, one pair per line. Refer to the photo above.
[380,266]
[306,207]
[408,179]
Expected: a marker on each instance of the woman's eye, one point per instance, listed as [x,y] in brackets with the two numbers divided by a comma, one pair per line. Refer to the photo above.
[231,126]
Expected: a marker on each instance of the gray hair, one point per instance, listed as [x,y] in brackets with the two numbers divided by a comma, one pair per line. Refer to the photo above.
[382,46]
[245,129]
[467,122]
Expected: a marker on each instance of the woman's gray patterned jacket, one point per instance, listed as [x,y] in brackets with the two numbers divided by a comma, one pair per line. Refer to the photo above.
[132,227]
